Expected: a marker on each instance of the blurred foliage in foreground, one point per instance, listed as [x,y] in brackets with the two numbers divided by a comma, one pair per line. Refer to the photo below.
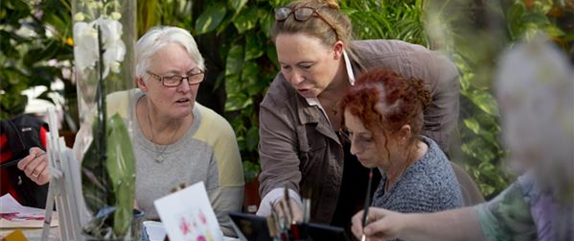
[476,33]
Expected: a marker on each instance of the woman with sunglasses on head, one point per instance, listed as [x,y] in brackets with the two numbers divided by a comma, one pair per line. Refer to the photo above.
[176,140]
[300,119]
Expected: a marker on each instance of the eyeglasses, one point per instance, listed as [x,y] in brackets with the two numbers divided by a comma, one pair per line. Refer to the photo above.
[193,77]
[301,14]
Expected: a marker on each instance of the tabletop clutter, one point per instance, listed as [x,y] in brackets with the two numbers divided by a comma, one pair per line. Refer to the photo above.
[187,215]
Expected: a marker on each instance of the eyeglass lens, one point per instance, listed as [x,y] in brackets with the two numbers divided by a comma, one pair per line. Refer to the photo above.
[303,14]
[176,80]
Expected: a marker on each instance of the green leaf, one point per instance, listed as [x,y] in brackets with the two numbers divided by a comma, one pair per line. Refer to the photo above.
[121,168]
[234,61]
[472,124]
[237,5]
[485,102]
[266,21]
[210,18]
[253,47]
[246,20]
[554,31]
[251,169]
[237,102]
[252,138]
[271,53]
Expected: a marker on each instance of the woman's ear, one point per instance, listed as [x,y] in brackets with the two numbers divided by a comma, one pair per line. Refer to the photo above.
[404,134]
[141,84]
[338,49]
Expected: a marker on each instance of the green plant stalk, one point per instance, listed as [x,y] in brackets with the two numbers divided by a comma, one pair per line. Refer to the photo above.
[121,168]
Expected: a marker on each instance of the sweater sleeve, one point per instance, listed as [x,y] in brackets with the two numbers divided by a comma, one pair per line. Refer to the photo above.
[507,217]
[225,181]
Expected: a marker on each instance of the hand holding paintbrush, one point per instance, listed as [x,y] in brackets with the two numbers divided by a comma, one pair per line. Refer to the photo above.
[291,208]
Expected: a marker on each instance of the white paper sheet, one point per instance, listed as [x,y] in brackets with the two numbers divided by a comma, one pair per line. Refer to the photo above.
[188,215]
[14,215]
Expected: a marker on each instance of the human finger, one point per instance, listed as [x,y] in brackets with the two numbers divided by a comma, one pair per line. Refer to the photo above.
[39,169]
[34,152]
[384,227]
[278,209]
[25,161]
[33,165]
[297,213]
[357,224]
[44,177]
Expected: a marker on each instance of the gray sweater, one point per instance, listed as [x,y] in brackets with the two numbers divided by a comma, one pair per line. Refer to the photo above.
[207,152]
[428,185]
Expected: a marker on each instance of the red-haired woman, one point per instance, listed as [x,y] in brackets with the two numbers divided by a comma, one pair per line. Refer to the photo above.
[384,117]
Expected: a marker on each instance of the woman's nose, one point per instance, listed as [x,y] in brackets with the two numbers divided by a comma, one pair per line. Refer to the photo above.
[296,78]
[354,148]
[184,86]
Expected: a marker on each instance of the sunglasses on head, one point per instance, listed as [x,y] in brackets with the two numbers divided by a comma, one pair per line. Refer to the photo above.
[301,14]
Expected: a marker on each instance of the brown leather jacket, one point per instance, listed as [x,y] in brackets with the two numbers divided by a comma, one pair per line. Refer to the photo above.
[299,148]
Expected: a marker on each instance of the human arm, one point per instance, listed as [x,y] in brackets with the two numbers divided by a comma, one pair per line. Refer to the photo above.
[225,181]
[35,166]
[279,159]
[506,217]
[441,116]
[456,224]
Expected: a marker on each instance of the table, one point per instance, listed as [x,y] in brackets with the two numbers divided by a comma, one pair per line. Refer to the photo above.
[35,234]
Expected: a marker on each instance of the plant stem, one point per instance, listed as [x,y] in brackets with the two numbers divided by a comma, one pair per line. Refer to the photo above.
[101,107]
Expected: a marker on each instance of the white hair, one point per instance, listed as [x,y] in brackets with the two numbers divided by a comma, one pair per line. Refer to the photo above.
[158,37]
[535,87]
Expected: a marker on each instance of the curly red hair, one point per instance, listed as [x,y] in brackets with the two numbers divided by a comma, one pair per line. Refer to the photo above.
[385,101]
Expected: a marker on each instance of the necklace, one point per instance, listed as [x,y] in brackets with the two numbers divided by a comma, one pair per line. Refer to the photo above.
[160,157]
[408,163]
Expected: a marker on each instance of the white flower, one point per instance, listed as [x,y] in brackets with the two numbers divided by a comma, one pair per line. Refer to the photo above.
[86,49]
[116,16]
[111,30]
[86,45]
[115,49]
[79,17]
[95,5]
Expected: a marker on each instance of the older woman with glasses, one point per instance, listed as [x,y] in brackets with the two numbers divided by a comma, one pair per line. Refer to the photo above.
[176,140]
[300,117]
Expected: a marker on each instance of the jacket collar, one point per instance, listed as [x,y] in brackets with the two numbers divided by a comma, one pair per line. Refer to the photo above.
[311,111]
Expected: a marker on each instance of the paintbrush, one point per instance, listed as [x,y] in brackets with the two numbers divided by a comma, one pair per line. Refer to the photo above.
[289,207]
[367,201]
[307,206]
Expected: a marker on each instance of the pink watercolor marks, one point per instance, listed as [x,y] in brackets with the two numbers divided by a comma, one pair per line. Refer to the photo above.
[187,215]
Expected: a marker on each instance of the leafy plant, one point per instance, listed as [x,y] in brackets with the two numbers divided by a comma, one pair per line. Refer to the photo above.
[35,45]
[234,38]
[104,33]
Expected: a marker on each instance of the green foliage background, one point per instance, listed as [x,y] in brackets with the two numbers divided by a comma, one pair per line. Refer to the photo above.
[31,34]
[233,36]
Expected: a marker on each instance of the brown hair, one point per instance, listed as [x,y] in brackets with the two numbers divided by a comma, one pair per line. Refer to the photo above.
[385,101]
[315,26]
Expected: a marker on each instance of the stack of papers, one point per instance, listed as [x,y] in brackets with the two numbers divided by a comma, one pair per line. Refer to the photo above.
[13,215]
